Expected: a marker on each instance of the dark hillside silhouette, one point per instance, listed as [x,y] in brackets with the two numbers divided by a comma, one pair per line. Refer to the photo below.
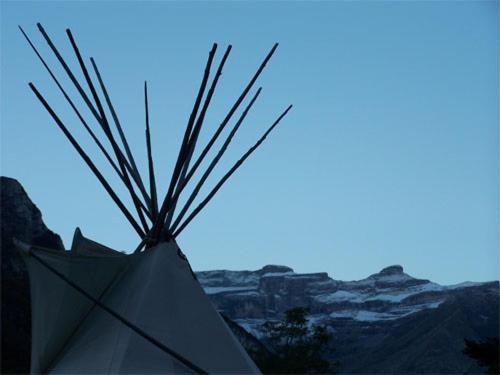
[485,352]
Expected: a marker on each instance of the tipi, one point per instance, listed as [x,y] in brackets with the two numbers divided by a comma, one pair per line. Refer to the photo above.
[98,310]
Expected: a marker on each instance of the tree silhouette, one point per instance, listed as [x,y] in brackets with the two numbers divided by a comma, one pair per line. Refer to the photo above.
[296,347]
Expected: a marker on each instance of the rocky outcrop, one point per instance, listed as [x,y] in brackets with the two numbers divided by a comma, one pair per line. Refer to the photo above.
[392,270]
[22,220]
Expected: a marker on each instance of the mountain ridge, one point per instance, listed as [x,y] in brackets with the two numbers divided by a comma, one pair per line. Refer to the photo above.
[391,269]
[387,294]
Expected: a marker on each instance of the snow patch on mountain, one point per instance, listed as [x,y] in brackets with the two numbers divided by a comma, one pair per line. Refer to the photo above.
[227,289]
[340,295]
[366,315]
[271,274]
[465,284]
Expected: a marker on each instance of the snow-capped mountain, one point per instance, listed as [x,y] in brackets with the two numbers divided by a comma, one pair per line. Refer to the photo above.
[252,297]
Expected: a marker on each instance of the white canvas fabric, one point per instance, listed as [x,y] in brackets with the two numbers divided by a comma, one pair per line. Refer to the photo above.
[155,290]
[58,309]
[84,246]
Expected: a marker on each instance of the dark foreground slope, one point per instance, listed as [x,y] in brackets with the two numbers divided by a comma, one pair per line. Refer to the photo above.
[428,341]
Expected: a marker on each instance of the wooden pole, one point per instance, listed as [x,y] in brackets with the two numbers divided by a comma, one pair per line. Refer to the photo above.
[167,202]
[75,83]
[196,131]
[68,99]
[230,114]
[152,180]
[214,162]
[69,73]
[89,162]
[197,210]
[77,112]
[107,130]
[136,176]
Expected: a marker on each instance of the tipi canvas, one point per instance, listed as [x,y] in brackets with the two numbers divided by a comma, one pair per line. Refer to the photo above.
[154,290]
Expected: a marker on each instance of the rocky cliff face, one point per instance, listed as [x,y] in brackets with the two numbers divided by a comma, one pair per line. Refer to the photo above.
[387,322]
[20,219]
[267,293]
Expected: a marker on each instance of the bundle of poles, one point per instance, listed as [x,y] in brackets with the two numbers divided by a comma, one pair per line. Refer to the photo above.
[156,222]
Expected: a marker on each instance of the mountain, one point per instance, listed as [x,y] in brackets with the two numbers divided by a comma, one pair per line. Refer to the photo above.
[388,322]
[20,219]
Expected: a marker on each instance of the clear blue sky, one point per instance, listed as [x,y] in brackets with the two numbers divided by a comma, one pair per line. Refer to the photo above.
[389,156]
